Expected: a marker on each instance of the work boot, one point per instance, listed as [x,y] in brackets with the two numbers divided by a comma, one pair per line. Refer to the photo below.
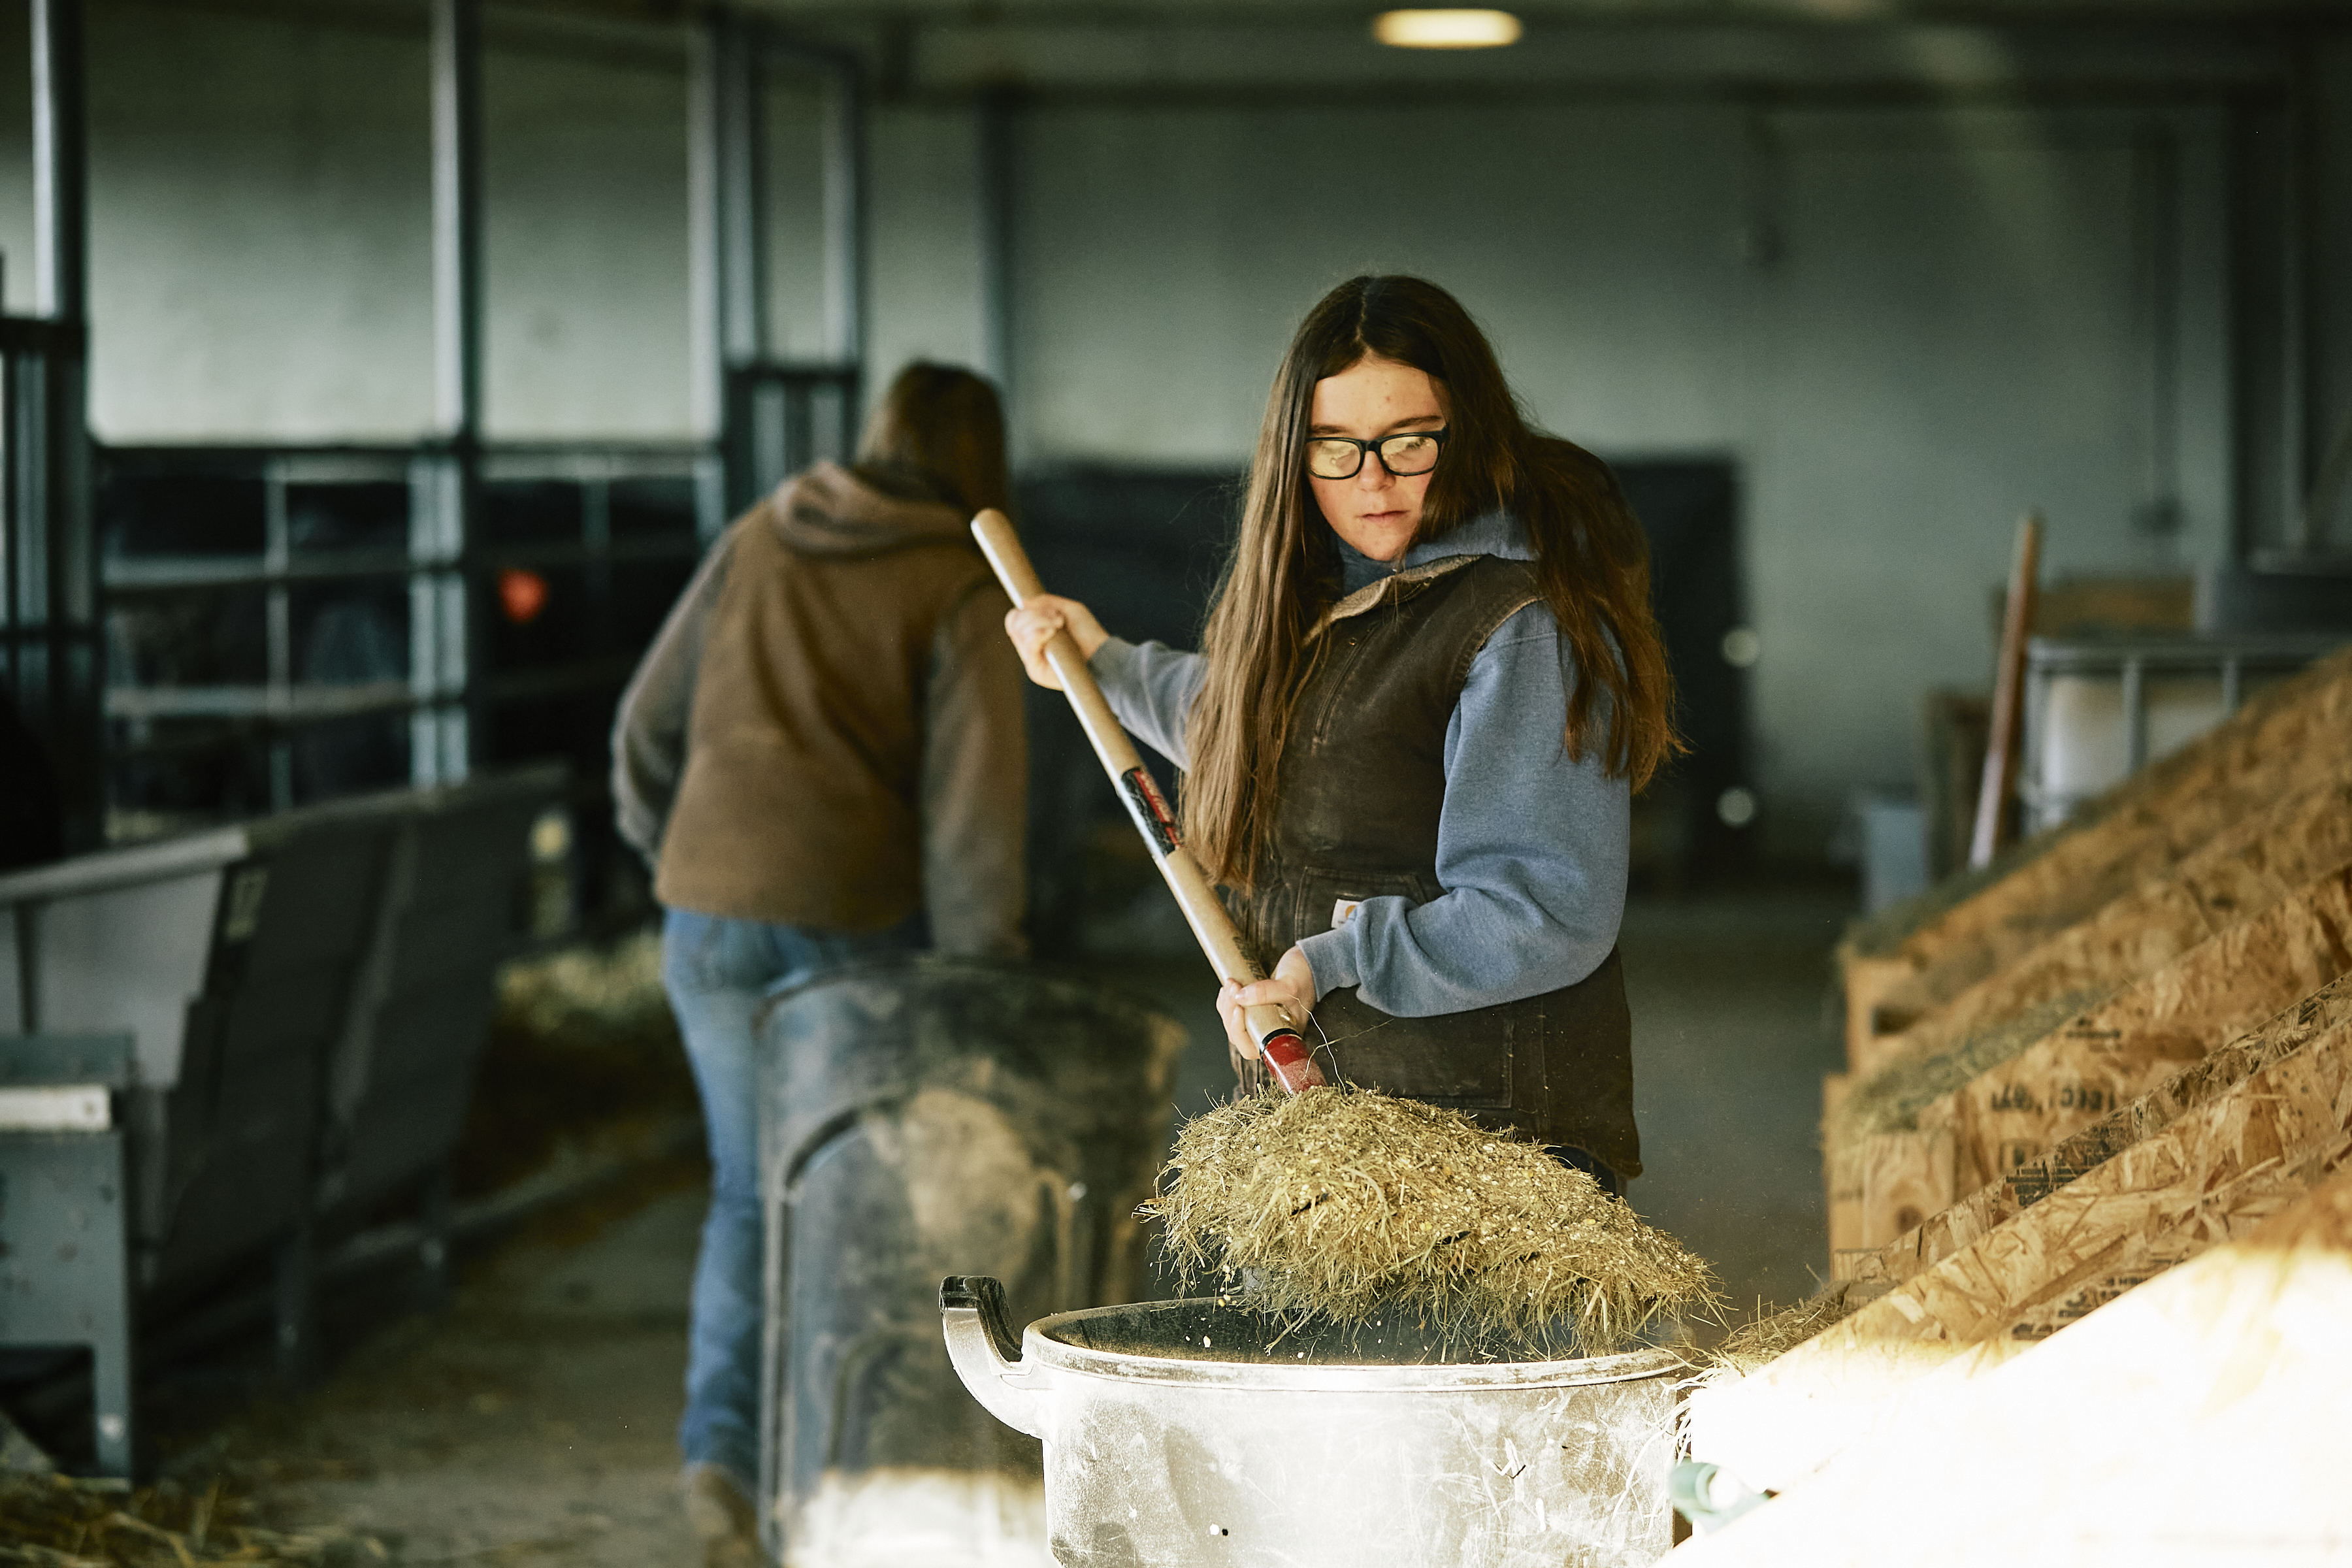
[723,1517]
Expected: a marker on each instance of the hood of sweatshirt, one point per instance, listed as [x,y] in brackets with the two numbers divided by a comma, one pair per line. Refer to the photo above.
[833,511]
[1489,534]
[1364,580]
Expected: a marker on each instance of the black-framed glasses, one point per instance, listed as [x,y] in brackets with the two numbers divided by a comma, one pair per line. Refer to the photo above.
[1404,454]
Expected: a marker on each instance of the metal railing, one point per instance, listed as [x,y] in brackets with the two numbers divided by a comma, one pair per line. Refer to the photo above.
[780,418]
[2098,708]
[287,624]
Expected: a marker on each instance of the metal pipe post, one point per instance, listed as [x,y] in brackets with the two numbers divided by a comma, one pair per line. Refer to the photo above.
[457,219]
[742,169]
[996,176]
[2296,207]
[59,675]
[60,164]
[730,275]
[445,737]
[844,224]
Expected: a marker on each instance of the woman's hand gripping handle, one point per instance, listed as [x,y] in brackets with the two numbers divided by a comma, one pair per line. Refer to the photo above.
[1272,1033]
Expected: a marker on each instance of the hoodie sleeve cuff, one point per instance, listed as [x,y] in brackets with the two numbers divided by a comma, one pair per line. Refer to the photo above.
[1333,956]
[1114,664]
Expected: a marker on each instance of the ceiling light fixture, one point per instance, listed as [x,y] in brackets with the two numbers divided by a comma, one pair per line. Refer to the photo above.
[1461,29]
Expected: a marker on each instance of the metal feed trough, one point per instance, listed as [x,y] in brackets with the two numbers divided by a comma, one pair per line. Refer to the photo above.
[296,1006]
[919,1116]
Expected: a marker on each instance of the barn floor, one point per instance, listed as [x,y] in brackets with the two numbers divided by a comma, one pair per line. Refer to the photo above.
[532,1421]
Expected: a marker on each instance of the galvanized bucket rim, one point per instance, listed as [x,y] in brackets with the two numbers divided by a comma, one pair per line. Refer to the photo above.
[1041,1346]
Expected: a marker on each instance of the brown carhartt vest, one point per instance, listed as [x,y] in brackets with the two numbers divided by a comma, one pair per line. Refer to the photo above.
[1363,781]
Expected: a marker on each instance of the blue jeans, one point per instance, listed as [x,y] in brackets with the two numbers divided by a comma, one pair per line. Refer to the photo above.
[718,972]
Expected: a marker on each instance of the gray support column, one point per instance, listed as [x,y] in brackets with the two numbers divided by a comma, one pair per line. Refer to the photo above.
[706,354]
[844,220]
[59,675]
[2156,224]
[742,167]
[996,237]
[2259,359]
[729,183]
[844,266]
[2298,205]
[457,219]
[60,164]
[446,636]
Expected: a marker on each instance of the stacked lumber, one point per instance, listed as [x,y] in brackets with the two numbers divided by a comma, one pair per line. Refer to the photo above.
[2197,1420]
[1901,965]
[2203,895]
[2208,1154]
[2091,1087]
[1919,1136]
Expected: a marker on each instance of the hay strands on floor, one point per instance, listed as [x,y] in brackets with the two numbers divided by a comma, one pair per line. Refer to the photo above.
[1344,1204]
[56,1522]
[1772,1332]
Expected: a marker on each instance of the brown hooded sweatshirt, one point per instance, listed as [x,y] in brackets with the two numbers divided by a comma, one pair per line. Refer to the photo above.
[828,731]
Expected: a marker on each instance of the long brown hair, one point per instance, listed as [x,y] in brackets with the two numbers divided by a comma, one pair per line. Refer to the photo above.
[1591,565]
[945,422]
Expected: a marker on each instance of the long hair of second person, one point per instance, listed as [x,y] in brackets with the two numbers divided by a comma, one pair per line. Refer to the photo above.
[947,422]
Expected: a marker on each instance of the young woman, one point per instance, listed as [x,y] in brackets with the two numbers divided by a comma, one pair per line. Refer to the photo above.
[822,756]
[1430,684]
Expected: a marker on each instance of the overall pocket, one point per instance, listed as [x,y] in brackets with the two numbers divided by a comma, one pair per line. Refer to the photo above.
[1459,1059]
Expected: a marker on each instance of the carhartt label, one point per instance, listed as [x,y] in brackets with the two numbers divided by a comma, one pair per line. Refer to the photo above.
[1343,910]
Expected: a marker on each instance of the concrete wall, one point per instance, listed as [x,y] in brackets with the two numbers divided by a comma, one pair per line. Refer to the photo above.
[924,286]
[1904,326]
[260,202]
[261,266]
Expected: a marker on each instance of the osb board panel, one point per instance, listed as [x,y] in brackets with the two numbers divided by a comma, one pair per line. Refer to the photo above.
[2198,1421]
[2194,1087]
[2321,1222]
[1843,1185]
[1867,982]
[1906,1177]
[1773,1434]
[2285,740]
[2217,1172]
[2117,1052]
[2295,1112]
[2170,1241]
[2244,869]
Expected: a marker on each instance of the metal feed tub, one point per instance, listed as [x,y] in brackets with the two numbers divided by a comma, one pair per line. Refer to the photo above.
[1195,1433]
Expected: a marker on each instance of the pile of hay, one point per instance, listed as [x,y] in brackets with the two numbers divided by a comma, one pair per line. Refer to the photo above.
[64,1523]
[1344,1204]
[607,996]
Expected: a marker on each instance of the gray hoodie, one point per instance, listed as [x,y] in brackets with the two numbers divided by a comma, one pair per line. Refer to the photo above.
[1533,844]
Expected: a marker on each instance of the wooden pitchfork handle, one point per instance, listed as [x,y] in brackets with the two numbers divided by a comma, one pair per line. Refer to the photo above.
[1279,1044]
